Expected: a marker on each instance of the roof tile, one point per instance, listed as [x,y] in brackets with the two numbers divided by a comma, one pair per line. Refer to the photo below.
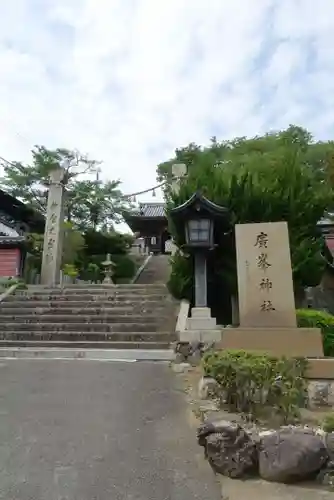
[152,209]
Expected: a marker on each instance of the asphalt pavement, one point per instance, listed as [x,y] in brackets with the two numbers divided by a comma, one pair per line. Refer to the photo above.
[90,430]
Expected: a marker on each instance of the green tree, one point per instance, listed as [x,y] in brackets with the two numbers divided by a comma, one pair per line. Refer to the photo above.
[240,151]
[96,204]
[88,203]
[274,177]
[73,245]
[84,251]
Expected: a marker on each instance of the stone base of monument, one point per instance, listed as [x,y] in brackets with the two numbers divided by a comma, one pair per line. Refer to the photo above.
[201,319]
[320,368]
[202,336]
[289,342]
[298,342]
[201,327]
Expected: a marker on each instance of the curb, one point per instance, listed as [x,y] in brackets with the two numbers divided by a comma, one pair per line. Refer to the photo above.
[87,354]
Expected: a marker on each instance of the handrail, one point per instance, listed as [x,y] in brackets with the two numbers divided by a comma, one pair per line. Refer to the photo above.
[181,323]
[141,269]
[8,292]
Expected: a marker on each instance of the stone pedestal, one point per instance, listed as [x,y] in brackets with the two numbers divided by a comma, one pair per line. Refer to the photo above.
[201,319]
[201,327]
[295,342]
[53,235]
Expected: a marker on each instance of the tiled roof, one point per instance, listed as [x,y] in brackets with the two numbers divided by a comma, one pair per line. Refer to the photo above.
[6,240]
[157,209]
[324,222]
[7,230]
[152,209]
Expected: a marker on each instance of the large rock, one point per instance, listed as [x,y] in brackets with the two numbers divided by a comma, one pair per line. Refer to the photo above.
[291,456]
[208,387]
[326,476]
[228,448]
[329,443]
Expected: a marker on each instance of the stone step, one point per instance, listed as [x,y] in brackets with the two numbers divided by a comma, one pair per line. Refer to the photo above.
[113,353]
[11,310]
[152,304]
[78,336]
[102,317]
[83,344]
[80,327]
[88,298]
[127,286]
[92,293]
[135,297]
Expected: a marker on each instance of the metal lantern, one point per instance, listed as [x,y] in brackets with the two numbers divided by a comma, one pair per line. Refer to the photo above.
[199,232]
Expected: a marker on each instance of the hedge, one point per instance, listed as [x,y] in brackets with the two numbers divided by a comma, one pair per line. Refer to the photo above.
[253,382]
[311,318]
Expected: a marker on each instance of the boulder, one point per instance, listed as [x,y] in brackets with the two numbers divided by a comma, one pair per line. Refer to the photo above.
[228,448]
[326,476]
[291,456]
[329,443]
[184,349]
[208,387]
[195,358]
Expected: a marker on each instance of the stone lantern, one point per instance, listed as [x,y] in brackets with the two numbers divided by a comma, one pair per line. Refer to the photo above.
[199,224]
[108,265]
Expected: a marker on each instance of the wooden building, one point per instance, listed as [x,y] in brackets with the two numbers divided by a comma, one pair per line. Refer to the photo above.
[150,222]
[16,219]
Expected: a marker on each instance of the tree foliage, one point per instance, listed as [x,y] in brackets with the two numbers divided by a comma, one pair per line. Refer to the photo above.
[73,244]
[85,252]
[88,203]
[241,150]
[275,177]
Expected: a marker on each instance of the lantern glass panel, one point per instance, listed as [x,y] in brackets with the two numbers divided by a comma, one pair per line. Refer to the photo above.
[199,230]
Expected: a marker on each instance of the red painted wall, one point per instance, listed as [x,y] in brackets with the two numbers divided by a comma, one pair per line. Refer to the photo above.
[330,242]
[9,262]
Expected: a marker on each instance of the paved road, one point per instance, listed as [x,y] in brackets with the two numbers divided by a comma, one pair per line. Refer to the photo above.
[88,430]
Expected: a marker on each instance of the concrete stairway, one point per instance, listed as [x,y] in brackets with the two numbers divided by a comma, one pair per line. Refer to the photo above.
[156,271]
[89,316]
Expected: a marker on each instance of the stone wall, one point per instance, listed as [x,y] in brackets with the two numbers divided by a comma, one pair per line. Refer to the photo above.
[321,393]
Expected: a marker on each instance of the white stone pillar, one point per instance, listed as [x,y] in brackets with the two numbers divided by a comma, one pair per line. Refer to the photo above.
[179,170]
[53,239]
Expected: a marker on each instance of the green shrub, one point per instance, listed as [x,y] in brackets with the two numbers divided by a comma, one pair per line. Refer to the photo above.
[6,283]
[180,282]
[310,318]
[98,242]
[254,382]
[125,268]
[328,423]
[93,270]
[70,270]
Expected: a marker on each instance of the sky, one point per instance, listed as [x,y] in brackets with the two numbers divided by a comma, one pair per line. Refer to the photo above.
[128,81]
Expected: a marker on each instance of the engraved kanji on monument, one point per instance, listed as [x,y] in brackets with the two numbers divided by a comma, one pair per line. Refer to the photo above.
[265,285]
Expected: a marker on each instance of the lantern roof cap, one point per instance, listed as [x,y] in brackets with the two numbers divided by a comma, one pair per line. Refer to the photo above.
[199,202]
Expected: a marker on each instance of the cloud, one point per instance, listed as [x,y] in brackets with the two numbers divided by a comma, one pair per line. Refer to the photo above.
[128,81]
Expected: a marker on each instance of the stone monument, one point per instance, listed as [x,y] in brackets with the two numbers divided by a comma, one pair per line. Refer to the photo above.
[266,298]
[53,235]
[265,285]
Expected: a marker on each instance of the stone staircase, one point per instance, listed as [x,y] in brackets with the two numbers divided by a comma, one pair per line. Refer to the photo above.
[140,316]
[156,271]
